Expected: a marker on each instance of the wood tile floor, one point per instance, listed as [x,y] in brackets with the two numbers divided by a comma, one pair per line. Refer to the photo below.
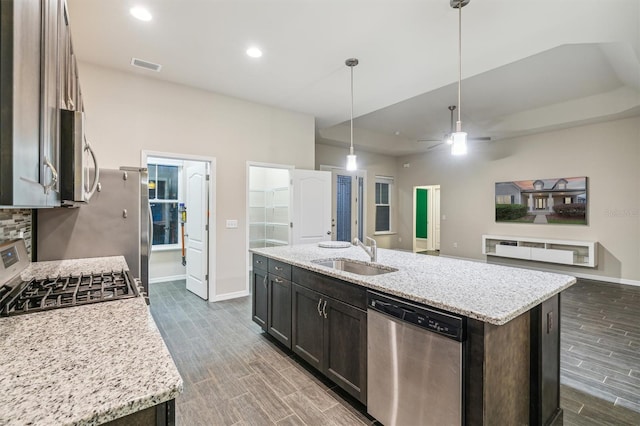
[600,354]
[236,375]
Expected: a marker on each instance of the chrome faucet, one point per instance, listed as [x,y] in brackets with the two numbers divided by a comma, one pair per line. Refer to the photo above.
[372,250]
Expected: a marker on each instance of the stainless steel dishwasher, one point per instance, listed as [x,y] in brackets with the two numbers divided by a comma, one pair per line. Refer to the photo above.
[414,357]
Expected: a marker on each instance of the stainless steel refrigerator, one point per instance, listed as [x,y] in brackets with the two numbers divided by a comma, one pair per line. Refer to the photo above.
[116,221]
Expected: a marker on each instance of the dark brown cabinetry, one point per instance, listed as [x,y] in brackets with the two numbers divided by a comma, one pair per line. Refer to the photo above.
[260,301]
[279,313]
[271,304]
[329,334]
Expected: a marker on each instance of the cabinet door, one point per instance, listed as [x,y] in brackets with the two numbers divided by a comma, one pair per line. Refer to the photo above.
[307,328]
[67,95]
[345,347]
[279,324]
[50,101]
[260,296]
[20,103]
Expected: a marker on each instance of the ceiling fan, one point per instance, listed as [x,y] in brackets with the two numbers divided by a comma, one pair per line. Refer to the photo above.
[446,139]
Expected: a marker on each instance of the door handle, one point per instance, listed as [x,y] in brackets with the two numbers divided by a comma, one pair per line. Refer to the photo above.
[329,232]
[264,281]
[324,307]
[319,303]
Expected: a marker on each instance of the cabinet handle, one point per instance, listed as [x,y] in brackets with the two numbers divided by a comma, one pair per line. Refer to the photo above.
[278,268]
[278,280]
[54,176]
[324,307]
[319,303]
[264,281]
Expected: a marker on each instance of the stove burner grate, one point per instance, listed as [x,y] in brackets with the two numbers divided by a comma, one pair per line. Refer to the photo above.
[59,292]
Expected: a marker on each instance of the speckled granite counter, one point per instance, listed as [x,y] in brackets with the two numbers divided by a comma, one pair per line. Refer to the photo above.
[83,365]
[491,293]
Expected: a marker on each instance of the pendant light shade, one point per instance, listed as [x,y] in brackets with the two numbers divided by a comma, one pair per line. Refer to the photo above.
[459,138]
[459,143]
[351,158]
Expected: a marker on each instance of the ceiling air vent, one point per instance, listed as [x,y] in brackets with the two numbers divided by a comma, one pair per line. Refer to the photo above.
[145,64]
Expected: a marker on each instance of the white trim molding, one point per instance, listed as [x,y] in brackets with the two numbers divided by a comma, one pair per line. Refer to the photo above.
[229,296]
[167,278]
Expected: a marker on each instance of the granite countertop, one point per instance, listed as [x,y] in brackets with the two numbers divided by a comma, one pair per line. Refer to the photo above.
[491,293]
[83,365]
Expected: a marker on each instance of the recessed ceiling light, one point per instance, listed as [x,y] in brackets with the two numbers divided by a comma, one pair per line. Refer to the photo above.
[140,13]
[254,52]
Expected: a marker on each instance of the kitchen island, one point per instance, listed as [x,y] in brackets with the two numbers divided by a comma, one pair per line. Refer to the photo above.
[85,365]
[511,317]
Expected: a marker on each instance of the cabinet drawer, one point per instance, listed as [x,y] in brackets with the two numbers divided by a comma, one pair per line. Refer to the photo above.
[259,262]
[280,269]
[332,287]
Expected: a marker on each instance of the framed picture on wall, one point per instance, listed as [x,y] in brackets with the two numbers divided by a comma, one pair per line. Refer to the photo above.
[543,201]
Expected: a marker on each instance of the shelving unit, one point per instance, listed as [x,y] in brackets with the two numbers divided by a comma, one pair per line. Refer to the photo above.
[566,252]
[269,217]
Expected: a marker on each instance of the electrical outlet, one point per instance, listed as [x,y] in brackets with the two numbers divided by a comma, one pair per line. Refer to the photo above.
[455,245]
[399,239]
[232,223]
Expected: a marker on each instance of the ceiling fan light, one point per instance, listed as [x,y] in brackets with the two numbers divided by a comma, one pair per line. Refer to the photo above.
[459,145]
[352,165]
[448,139]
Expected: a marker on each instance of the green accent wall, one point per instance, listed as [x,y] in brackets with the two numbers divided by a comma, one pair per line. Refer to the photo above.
[421,213]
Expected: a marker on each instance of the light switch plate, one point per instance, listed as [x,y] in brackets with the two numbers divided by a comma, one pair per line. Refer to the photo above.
[232,223]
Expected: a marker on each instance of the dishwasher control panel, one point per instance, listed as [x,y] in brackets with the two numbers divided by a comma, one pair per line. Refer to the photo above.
[428,318]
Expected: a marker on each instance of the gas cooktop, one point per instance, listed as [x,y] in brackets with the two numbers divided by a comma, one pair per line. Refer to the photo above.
[19,297]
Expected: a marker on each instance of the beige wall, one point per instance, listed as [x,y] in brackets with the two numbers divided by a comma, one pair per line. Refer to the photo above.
[607,153]
[374,164]
[127,114]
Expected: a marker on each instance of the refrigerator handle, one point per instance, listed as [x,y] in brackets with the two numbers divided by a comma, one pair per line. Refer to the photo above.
[150,232]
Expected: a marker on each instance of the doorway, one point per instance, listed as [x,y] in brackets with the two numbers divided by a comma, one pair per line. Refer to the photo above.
[348,203]
[426,219]
[181,199]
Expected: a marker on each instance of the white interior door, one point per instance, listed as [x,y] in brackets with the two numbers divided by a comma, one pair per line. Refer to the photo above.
[437,216]
[196,229]
[311,206]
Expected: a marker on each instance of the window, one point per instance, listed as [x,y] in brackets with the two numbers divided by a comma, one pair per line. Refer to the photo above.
[384,186]
[567,200]
[164,198]
[504,199]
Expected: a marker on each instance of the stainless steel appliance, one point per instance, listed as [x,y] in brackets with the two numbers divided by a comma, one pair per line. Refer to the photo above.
[18,296]
[115,222]
[414,357]
[75,169]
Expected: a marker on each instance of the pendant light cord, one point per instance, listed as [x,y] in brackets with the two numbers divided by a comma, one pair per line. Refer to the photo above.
[351,148]
[459,123]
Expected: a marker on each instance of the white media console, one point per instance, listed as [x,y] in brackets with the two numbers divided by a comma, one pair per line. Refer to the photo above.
[566,252]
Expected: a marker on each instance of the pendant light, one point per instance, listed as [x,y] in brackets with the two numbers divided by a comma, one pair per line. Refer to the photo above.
[351,158]
[459,138]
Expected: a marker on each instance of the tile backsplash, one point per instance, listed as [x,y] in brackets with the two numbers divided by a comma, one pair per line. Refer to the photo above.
[13,222]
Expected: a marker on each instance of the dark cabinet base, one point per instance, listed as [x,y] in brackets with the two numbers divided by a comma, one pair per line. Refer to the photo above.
[163,414]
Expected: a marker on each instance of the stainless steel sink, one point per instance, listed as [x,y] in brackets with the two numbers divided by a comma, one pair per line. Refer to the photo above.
[355,267]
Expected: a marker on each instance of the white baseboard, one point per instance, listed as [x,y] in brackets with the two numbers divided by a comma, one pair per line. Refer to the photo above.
[168,278]
[228,296]
[593,277]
